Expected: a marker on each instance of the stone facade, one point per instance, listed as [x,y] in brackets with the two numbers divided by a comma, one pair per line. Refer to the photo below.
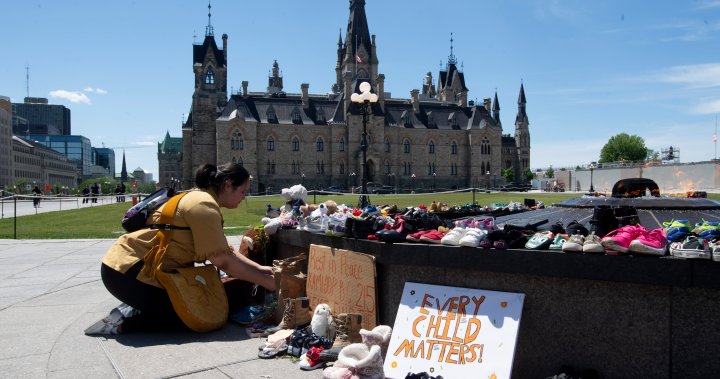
[434,139]
[37,164]
[170,160]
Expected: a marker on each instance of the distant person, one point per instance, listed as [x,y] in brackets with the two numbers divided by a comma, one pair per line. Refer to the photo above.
[146,305]
[86,194]
[95,192]
[36,196]
[123,190]
[118,193]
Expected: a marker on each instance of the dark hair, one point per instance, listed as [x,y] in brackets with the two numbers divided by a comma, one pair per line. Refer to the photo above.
[208,176]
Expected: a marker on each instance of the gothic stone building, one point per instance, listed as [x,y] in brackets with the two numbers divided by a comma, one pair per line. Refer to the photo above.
[436,138]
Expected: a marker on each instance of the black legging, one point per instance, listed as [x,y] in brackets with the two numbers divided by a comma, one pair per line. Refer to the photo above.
[156,311]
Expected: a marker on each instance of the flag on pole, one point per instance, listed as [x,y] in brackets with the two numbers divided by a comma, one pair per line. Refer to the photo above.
[358,59]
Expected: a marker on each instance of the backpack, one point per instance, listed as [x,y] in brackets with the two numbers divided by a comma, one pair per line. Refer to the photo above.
[136,217]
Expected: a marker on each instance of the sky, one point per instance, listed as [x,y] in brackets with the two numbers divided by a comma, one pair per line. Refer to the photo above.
[591,69]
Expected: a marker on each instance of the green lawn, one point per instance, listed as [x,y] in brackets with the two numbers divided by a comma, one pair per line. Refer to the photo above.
[104,221]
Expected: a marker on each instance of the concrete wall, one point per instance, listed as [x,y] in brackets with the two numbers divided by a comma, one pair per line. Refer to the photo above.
[678,178]
[627,317]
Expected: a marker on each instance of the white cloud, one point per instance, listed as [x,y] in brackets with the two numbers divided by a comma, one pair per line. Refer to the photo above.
[694,76]
[708,107]
[72,96]
[709,4]
[95,90]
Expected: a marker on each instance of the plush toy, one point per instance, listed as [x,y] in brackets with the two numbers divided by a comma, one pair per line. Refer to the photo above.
[321,323]
[329,207]
[253,244]
[295,197]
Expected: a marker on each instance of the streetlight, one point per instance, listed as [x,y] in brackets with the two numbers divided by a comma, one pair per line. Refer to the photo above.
[434,177]
[592,167]
[352,182]
[487,182]
[302,179]
[412,183]
[364,98]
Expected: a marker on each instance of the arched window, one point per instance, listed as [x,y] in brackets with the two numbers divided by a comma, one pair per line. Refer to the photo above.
[455,123]
[320,115]
[387,167]
[485,146]
[270,144]
[341,146]
[387,145]
[236,141]
[319,144]
[210,76]
[342,168]
[431,147]
[295,144]
[406,146]
[453,148]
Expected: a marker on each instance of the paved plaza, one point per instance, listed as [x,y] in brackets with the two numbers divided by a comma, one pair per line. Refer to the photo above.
[50,291]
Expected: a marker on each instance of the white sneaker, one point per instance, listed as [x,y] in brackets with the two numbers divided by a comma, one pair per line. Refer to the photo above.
[472,237]
[453,237]
[108,325]
[592,244]
[574,244]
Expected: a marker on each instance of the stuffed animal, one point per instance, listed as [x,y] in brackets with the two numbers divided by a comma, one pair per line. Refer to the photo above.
[321,323]
[253,244]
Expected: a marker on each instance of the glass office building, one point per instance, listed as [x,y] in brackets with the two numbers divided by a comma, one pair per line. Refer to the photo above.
[76,148]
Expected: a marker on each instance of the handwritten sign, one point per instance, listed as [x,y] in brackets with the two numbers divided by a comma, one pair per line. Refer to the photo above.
[454,332]
[344,280]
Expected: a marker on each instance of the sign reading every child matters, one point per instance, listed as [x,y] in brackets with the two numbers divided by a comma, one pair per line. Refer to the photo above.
[454,332]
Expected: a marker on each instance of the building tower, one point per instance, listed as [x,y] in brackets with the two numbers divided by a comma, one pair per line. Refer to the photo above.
[123,172]
[209,97]
[275,80]
[451,83]
[359,57]
[522,136]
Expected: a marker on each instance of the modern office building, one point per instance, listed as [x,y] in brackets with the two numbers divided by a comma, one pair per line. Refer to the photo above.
[104,157]
[41,117]
[6,151]
[77,149]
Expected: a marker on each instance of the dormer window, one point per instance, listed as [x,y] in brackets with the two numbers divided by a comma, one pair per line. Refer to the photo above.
[210,76]
[296,117]
[271,116]
[295,144]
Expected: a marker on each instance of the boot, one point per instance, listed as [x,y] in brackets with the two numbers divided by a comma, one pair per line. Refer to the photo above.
[297,313]
[380,335]
[357,361]
[627,215]
[603,221]
[347,331]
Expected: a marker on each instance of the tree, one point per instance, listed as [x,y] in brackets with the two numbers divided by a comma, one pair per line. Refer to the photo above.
[550,173]
[508,174]
[624,147]
[528,174]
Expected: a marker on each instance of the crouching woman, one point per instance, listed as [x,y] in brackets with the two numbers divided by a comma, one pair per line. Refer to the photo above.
[197,236]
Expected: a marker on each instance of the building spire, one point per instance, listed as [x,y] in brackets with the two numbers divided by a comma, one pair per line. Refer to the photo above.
[451,57]
[123,173]
[209,29]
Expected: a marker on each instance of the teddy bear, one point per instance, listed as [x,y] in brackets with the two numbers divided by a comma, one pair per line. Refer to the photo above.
[295,197]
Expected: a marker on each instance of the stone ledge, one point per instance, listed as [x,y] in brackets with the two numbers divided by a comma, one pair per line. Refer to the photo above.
[664,271]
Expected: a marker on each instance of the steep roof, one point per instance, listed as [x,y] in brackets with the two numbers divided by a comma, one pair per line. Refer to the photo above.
[199,51]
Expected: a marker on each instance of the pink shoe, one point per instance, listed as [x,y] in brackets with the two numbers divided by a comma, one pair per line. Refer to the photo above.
[619,239]
[653,242]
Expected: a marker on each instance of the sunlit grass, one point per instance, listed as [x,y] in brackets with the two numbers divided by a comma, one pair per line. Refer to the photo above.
[104,221]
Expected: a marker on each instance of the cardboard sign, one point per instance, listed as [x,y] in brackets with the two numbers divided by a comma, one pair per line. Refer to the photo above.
[344,280]
[454,332]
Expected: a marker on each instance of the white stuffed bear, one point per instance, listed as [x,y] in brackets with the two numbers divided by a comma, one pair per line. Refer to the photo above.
[321,323]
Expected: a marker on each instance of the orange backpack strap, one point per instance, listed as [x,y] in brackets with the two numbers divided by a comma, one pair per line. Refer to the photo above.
[153,258]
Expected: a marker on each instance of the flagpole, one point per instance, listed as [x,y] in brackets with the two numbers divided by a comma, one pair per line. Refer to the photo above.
[715,137]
